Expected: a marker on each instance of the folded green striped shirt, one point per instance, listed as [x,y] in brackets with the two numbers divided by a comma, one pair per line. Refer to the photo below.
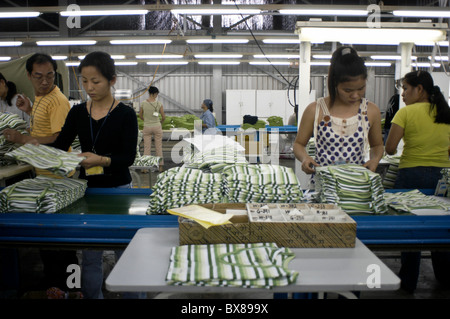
[258,265]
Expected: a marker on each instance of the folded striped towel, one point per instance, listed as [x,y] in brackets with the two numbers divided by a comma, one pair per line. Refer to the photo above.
[257,265]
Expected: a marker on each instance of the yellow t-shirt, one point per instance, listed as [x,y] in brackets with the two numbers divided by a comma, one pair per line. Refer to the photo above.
[425,142]
[48,116]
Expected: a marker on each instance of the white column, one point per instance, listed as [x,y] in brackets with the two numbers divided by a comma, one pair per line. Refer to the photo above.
[303,99]
[404,65]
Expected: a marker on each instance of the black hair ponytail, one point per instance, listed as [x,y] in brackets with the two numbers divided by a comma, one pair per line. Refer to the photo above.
[345,65]
[438,101]
[436,98]
[12,91]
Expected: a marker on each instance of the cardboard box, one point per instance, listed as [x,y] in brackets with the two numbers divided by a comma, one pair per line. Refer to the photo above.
[320,232]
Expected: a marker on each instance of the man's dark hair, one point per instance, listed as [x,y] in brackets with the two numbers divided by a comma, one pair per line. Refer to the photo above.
[39,58]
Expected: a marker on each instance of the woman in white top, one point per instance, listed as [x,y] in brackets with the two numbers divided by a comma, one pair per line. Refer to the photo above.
[149,112]
[344,124]
[8,99]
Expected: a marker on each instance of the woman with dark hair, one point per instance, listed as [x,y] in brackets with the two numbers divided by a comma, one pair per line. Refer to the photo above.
[8,99]
[108,131]
[344,124]
[149,112]
[208,119]
[424,126]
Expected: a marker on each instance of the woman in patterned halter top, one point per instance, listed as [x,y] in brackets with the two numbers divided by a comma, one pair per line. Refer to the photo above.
[344,124]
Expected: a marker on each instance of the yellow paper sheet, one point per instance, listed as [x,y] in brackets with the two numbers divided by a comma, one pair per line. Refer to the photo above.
[204,216]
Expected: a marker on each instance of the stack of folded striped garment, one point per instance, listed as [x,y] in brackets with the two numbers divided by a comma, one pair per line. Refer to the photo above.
[392,171]
[45,157]
[215,159]
[9,121]
[354,188]
[41,195]
[150,161]
[258,265]
[446,176]
[406,202]
[261,183]
[180,186]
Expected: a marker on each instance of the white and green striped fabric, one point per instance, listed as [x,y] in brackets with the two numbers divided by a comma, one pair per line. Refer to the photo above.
[258,265]
[215,159]
[263,183]
[45,157]
[180,186]
[392,171]
[446,176]
[9,121]
[354,188]
[149,161]
[41,195]
[406,202]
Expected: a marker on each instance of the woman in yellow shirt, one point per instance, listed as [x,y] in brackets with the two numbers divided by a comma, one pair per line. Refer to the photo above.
[424,125]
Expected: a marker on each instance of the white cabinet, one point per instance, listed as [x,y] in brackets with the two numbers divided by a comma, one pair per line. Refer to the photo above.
[239,103]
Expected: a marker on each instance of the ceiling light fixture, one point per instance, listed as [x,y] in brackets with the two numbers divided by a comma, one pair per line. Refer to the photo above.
[212,41]
[10,43]
[219,62]
[269,63]
[324,12]
[159,56]
[5,58]
[143,41]
[218,56]
[59,57]
[276,56]
[66,42]
[25,14]
[441,13]
[359,33]
[168,63]
[216,11]
[85,13]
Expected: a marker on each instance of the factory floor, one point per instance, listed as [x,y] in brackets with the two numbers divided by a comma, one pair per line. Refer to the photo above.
[31,266]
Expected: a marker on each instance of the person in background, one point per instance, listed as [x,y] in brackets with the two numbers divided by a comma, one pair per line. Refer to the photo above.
[50,108]
[393,106]
[424,126]
[107,130]
[208,120]
[149,112]
[344,124]
[8,99]
[47,116]
[294,117]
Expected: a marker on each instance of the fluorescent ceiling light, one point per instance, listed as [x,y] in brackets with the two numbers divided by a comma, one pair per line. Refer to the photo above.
[325,12]
[386,36]
[281,41]
[215,11]
[218,56]
[168,63]
[380,64]
[322,56]
[126,63]
[72,63]
[276,56]
[59,57]
[70,42]
[5,58]
[84,13]
[219,62]
[442,13]
[114,57]
[212,41]
[389,57]
[25,14]
[425,65]
[10,43]
[140,41]
[270,63]
[439,58]
[159,56]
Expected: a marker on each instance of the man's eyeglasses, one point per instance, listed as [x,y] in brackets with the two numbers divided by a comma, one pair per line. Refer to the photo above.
[39,77]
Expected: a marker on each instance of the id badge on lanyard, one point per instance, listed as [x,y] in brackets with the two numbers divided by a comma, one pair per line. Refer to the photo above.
[96,170]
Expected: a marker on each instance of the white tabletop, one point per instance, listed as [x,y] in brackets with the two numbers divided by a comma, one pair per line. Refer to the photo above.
[144,263]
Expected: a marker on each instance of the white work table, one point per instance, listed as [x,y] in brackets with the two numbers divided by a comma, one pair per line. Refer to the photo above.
[144,263]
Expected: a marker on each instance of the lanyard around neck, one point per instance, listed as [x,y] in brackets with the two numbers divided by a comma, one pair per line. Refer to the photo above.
[101,126]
